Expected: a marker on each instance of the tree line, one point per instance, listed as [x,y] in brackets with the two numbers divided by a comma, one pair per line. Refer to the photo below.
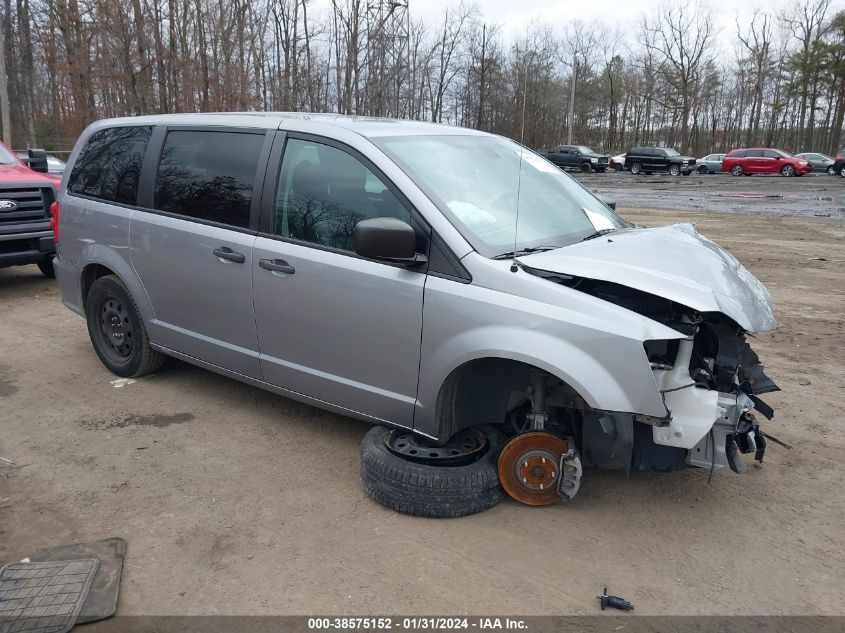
[669,78]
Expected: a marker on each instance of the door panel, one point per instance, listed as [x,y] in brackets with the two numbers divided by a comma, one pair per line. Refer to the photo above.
[194,252]
[341,329]
[202,302]
[331,325]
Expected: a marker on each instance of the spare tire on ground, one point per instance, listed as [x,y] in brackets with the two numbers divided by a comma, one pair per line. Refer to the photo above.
[397,471]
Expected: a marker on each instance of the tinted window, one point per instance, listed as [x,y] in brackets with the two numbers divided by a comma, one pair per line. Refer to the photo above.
[769,153]
[109,165]
[208,175]
[737,153]
[324,192]
[755,153]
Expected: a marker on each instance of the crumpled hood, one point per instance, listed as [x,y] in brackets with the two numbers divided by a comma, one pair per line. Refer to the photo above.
[673,262]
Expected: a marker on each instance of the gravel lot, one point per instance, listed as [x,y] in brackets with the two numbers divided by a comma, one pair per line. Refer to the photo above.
[813,195]
[254,500]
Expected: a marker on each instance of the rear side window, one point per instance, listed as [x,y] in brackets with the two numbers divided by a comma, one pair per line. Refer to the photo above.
[737,153]
[208,175]
[109,165]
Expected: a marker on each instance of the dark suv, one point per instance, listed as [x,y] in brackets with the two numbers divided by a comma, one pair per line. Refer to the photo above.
[651,159]
[576,157]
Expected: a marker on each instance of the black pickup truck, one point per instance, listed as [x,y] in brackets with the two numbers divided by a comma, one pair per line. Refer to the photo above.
[646,160]
[576,157]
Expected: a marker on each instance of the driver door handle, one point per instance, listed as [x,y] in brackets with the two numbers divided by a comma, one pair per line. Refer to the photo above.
[224,252]
[276,265]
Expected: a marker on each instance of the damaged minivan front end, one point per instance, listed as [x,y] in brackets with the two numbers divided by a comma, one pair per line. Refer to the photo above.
[708,377]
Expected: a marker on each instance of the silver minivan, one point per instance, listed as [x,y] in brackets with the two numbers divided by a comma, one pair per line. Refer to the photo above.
[501,327]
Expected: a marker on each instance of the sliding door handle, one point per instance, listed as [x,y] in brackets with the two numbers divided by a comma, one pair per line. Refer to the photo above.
[224,252]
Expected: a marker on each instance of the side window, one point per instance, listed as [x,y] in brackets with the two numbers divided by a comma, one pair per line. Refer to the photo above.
[109,165]
[208,175]
[768,153]
[323,192]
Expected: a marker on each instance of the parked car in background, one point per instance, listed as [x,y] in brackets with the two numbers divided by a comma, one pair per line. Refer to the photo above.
[26,193]
[819,162]
[648,160]
[281,249]
[838,167]
[710,164]
[576,157]
[764,160]
[617,162]
[55,166]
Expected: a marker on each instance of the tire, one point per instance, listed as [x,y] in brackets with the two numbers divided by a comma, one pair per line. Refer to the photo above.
[787,171]
[674,170]
[842,171]
[430,491]
[46,267]
[831,171]
[109,305]
[703,170]
[636,168]
[618,167]
[585,168]
[737,170]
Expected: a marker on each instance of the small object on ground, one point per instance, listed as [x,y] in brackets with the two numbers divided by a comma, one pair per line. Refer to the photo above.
[44,597]
[101,601]
[776,440]
[8,461]
[614,602]
[121,382]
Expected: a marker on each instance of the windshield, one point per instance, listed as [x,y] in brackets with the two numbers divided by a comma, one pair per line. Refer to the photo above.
[671,152]
[475,181]
[6,157]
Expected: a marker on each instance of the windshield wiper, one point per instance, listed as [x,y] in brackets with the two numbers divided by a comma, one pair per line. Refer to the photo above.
[596,234]
[525,251]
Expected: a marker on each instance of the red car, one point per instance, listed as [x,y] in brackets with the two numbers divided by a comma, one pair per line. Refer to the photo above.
[26,236]
[764,160]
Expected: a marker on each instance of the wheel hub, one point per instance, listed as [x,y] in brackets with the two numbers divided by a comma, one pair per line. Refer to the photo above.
[116,327]
[529,467]
[463,448]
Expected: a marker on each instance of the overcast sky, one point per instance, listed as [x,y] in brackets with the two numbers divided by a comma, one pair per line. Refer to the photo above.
[516,15]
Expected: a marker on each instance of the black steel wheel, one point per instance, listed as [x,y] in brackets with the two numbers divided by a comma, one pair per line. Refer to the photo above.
[703,170]
[117,331]
[453,480]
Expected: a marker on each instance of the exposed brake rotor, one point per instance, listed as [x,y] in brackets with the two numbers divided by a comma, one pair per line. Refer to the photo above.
[530,467]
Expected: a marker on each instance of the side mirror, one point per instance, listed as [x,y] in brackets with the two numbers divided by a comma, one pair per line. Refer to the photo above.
[387,239]
[37,160]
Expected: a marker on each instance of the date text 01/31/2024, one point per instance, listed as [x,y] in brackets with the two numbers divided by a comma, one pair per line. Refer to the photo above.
[417,623]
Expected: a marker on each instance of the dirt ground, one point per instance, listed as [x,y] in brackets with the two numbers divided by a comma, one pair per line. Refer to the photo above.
[238,501]
[813,195]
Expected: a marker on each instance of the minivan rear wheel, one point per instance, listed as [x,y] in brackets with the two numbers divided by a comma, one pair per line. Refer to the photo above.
[409,474]
[117,331]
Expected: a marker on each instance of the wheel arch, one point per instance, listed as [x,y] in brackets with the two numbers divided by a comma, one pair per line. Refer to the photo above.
[101,260]
[582,374]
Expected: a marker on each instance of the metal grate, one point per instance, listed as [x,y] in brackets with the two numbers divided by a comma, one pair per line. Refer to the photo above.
[28,204]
